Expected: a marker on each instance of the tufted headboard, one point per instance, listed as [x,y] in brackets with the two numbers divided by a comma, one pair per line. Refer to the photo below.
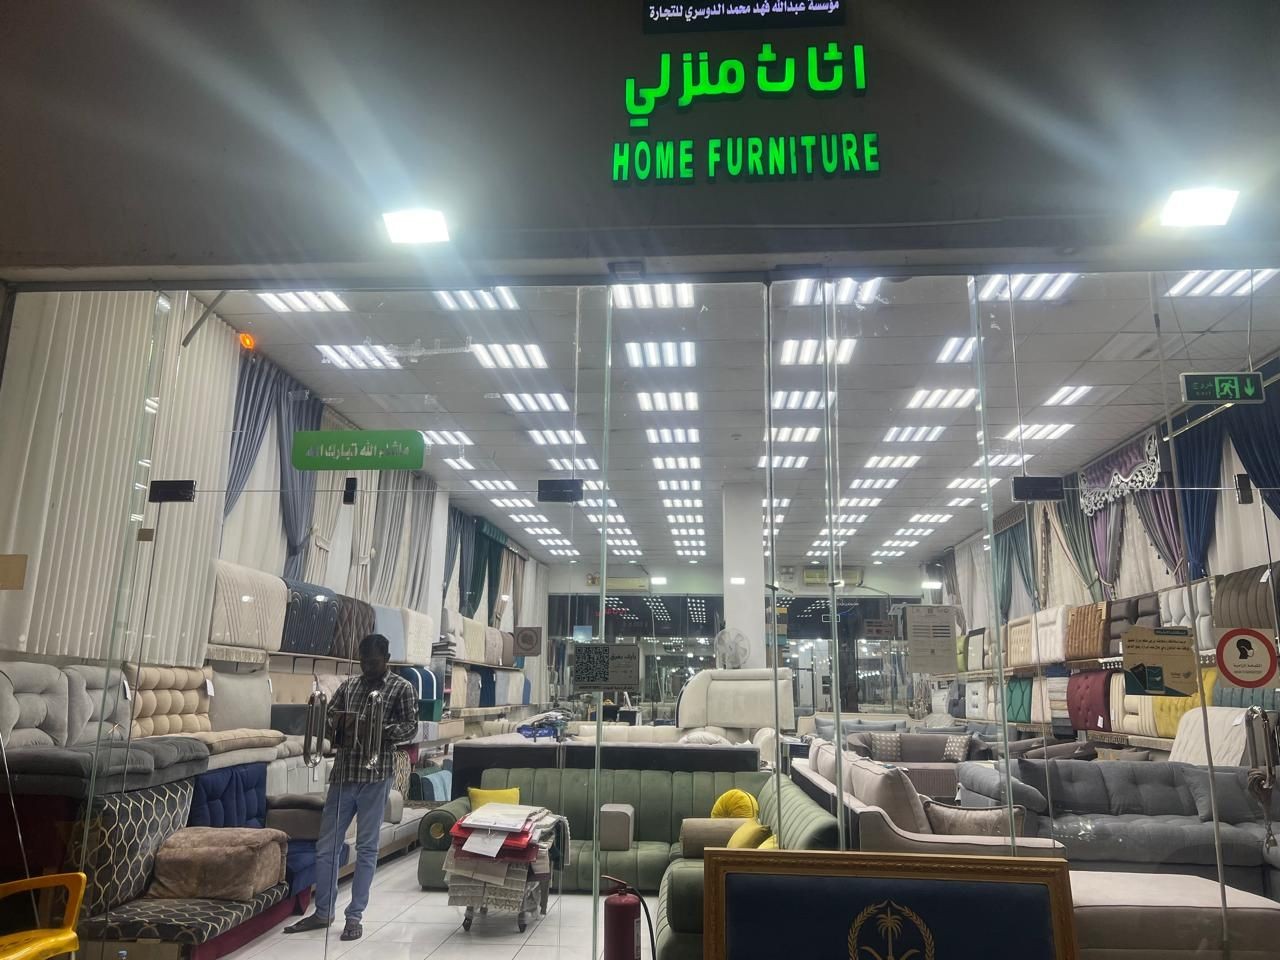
[248,607]
[103,699]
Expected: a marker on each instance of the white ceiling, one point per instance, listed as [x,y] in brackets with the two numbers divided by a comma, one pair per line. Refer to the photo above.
[1100,334]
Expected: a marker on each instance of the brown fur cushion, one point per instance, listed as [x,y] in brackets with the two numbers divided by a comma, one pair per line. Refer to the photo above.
[219,863]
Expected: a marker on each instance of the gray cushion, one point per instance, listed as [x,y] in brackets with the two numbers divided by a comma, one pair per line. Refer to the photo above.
[34,704]
[825,727]
[1235,803]
[105,708]
[1135,838]
[240,700]
[146,762]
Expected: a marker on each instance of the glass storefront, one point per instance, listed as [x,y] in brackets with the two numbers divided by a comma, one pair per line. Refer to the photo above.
[797,566]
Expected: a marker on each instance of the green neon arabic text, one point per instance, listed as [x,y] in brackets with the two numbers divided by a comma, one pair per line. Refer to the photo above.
[824,69]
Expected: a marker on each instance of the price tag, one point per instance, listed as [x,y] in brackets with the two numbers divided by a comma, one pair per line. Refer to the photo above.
[208,685]
[124,685]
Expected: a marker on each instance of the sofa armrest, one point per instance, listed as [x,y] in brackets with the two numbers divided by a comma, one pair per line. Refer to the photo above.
[434,827]
[681,894]
[989,782]
[876,832]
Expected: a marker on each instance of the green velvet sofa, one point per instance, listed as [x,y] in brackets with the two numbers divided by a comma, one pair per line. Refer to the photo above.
[662,800]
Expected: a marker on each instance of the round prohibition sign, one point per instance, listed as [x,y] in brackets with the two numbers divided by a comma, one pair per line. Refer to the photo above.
[1247,657]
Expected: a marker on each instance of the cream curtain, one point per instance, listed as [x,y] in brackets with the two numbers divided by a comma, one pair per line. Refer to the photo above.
[359,584]
[1065,586]
[1243,536]
[71,410]
[253,534]
[388,533]
[324,512]
[506,588]
[196,409]
[1141,569]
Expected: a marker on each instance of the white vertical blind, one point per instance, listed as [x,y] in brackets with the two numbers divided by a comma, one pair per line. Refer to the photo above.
[192,442]
[71,405]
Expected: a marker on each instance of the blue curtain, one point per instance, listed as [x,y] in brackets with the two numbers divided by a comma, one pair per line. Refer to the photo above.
[1255,432]
[1199,455]
[298,409]
[257,391]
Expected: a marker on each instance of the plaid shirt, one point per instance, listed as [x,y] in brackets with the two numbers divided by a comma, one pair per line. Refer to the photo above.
[399,721]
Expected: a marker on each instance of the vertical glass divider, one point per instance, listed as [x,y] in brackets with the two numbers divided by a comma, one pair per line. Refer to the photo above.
[979,361]
[1186,553]
[833,571]
[771,621]
[604,591]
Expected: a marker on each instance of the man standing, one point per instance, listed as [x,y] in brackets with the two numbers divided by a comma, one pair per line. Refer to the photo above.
[356,787]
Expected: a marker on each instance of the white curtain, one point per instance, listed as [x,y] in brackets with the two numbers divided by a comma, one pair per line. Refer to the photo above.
[71,412]
[324,512]
[253,535]
[1141,569]
[973,577]
[362,515]
[1240,533]
[339,569]
[388,536]
[193,437]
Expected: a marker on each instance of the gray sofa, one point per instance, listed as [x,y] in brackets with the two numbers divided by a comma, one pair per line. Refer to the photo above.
[924,757]
[1136,817]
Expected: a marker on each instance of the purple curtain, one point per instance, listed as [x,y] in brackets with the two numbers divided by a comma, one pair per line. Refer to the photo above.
[1105,528]
[1133,470]
[1159,515]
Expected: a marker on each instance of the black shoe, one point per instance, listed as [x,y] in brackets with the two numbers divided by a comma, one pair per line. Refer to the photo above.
[352,931]
[313,922]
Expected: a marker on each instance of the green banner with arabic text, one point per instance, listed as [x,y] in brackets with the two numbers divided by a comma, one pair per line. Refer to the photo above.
[358,450]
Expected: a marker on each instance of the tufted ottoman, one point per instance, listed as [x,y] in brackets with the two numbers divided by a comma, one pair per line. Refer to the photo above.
[1129,916]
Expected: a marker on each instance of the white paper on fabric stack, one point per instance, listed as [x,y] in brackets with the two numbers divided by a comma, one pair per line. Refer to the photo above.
[511,817]
[485,843]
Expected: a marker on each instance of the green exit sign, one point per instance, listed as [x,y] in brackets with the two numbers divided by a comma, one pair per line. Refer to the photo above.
[1222,387]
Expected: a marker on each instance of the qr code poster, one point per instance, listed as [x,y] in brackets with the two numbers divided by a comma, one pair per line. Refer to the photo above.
[606,666]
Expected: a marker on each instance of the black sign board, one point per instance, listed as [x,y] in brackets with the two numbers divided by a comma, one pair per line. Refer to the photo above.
[1222,388]
[171,491]
[757,15]
[559,491]
[1027,489]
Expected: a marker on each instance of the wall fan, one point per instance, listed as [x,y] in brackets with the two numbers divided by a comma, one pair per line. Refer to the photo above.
[732,648]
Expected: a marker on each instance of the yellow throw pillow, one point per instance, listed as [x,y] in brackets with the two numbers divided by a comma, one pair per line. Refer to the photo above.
[770,843]
[480,797]
[736,803]
[749,836]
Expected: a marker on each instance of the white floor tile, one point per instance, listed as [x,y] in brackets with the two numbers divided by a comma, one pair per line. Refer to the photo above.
[397,931]
[432,909]
[384,950]
[475,951]
[563,952]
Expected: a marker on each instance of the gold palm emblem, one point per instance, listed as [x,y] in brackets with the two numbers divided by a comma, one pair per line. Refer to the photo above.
[889,924]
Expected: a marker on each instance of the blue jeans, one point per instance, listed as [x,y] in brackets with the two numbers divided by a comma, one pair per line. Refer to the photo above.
[366,802]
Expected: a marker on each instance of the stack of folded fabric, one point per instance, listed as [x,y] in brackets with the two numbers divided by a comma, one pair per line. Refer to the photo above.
[513,876]
[447,645]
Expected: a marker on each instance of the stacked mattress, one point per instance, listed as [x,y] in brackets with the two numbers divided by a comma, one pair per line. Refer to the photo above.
[1051,635]
[1244,599]
[355,622]
[311,619]
[1087,631]
[1019,642]
[389,621]
[248,607]
[419,636]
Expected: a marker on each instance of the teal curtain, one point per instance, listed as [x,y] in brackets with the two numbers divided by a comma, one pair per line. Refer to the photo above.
[486,561]
[1075,528]
[1002,548]
[1024,561]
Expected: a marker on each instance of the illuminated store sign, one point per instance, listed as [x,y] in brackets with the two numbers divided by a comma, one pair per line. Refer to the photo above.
[688,17]
[685,81]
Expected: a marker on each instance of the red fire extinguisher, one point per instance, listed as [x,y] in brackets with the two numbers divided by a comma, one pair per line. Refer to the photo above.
[622,922]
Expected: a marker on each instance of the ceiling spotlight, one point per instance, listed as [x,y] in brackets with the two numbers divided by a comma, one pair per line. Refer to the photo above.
[416,225]
[1199,207]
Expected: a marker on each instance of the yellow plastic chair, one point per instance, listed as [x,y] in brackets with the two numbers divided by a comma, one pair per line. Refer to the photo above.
[42,943]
